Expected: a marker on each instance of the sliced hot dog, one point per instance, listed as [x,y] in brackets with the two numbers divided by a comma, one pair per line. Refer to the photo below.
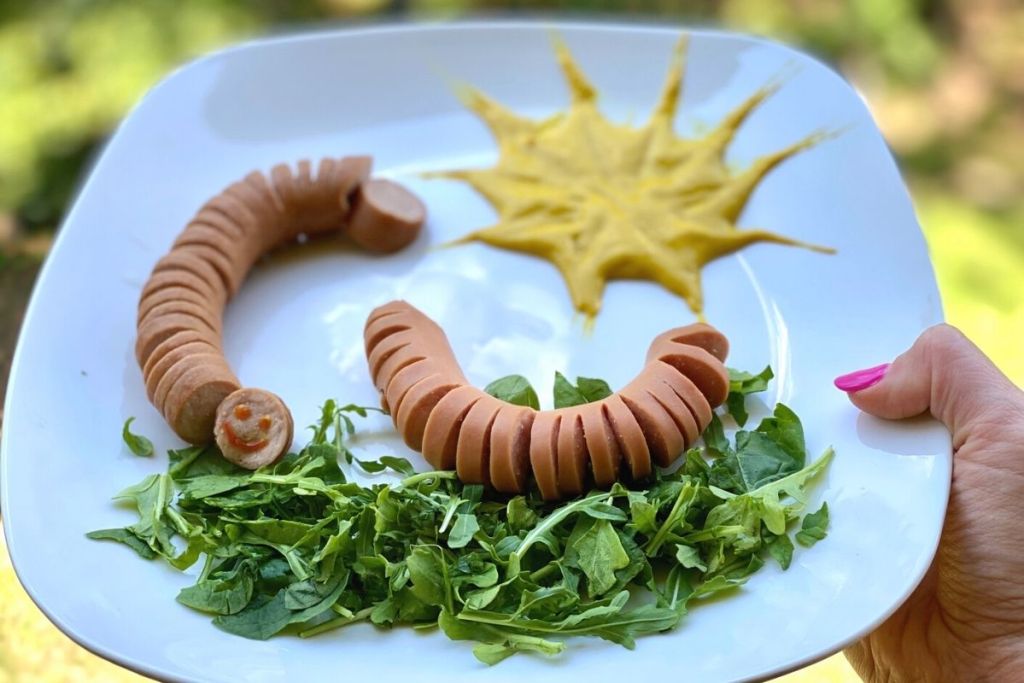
[544,452]
[404,380]
[191,404]
[688,391]
[662,375]
[385,216]
[473,451]
[703,369]
[602,445]
[441,433]
[632,443]
[664,441]
[572,453]
[170,359]
[253,428]
[510,448]
[417,404]
[697,334]
[155,330]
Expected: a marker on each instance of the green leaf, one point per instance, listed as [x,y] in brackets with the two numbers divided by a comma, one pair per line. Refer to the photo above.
[514,389]
[124,536]
[774,450]
[814,527]
[462,530]
[593,389]
[781,548]
[689,557]
[227,594]
[595,548]
[261,618]
[587,390]
[137,444]
[741,384]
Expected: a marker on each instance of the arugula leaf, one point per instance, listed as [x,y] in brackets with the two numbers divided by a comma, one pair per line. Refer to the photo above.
[514,389]
[814,527]
[741,384]
[586,390]
[595,548]
[137,444]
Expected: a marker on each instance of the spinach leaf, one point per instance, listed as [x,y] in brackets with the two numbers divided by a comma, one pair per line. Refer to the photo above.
[586,390]
[741,384]
[814,527]
[514,389]
[137,444]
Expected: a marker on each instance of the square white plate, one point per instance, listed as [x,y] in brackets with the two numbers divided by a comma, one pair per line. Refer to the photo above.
[296,329]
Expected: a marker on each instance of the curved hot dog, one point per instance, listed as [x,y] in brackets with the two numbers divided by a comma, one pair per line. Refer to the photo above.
[651,421]
[178,343]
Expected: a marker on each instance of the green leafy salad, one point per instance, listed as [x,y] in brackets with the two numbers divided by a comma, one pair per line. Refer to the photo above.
[298,547]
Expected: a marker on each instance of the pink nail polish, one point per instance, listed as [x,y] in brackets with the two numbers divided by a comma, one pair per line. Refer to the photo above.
[862,379]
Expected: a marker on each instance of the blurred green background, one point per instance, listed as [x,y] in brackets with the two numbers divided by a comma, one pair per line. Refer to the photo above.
[944,79]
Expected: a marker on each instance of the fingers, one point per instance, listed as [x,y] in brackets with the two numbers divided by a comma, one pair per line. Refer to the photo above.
[942,373]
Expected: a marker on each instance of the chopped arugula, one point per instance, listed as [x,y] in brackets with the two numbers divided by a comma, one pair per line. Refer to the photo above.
[139,445]
[297,547]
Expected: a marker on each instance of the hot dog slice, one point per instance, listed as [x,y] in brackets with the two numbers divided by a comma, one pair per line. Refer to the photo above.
[632,443]
[510,448]
[237,219]
[572,453]
[385,216]
[172,358]
[181,260]
[404,380]
[382,328]
[601,444]
[385,348]
[210,361]
[661,374]
[174,295]
[233,260]
[253,428]
[703,369]
[156,330]
[473,452]
[396,362]
[171,343]
[217,296]
[441,433]
[390,308]
[688,391]
[191,404]
[417,404]
[544,453]
[204,317]
[664,441]
[698,334]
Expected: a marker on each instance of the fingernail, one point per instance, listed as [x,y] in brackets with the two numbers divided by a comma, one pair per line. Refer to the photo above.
[862,379]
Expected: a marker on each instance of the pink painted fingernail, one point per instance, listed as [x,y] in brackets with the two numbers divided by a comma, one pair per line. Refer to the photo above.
[862,379]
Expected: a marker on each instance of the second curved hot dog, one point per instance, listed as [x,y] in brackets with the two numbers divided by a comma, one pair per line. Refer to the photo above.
[651,421]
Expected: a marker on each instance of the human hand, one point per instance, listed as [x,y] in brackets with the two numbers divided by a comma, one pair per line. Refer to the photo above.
[965,622]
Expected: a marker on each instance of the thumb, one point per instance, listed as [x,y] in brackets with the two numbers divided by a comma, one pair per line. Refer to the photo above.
[943,373]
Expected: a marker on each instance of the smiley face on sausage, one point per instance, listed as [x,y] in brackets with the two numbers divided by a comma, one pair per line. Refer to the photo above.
[651,421]
[179,325]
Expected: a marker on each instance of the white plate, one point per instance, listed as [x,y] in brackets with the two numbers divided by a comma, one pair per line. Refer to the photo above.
[295,328]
